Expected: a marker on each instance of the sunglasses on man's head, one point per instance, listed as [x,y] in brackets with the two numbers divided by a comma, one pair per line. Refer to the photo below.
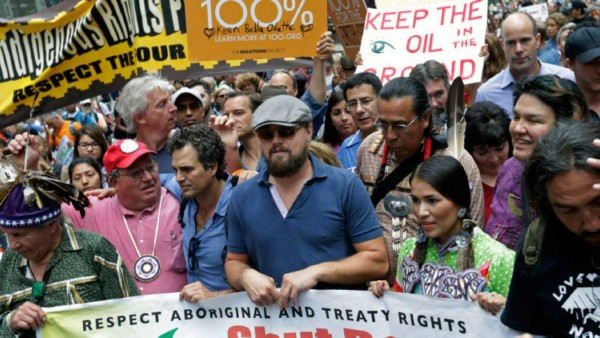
[267,133]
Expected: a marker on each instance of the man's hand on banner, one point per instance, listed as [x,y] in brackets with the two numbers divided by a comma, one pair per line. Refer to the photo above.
[295,282]
[28,316]
[259,287]
[490,301]
[379,287]
[196,291]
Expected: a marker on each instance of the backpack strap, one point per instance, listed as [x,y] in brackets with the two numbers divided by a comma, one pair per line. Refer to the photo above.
[532,245]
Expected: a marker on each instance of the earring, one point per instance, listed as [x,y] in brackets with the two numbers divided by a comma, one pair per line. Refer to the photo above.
[462,212]
[421,238]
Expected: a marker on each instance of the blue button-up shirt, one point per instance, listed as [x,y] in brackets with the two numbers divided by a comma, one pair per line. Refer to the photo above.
[347,152]
[499,89]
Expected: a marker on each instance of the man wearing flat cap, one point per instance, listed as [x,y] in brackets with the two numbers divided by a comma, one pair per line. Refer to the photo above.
[300,224]
[49,263]
[583,56]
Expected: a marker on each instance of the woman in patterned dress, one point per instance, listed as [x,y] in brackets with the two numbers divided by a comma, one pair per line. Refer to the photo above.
[450,257]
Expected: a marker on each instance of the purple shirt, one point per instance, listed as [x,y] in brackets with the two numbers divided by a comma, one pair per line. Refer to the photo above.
[506,222]
[105,217]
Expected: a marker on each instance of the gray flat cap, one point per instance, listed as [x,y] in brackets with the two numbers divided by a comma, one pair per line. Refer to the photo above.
[282,110]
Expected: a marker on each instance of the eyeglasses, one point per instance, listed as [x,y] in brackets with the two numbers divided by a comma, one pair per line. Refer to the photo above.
[182,108]
[84,145]
[352,105]
[192,260]
[138,174]
[267,133]
[396,127]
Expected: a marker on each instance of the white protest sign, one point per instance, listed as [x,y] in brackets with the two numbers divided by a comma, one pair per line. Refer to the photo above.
[452,33]
[538,12]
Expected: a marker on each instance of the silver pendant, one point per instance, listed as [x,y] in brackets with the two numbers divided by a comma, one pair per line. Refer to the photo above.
[146,268]
[398,206]
[463,239]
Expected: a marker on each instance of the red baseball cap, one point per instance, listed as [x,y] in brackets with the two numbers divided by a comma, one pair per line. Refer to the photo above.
[123,153]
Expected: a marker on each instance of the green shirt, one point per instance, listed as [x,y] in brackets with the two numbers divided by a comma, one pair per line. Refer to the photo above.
[84,268]
[493,267]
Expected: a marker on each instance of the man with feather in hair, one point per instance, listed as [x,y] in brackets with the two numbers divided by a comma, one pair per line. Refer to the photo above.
[403,140]
[48,262]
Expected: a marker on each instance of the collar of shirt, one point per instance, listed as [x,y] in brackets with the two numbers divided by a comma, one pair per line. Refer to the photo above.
[150,210]
[319,171]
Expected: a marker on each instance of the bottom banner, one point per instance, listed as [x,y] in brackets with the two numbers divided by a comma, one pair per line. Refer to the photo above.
[319,314]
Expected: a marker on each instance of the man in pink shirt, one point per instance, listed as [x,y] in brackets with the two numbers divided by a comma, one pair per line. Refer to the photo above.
[140,220]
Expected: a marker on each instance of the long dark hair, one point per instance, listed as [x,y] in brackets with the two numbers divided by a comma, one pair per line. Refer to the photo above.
[330,135]
[448,177]
[96,134]
[487,125]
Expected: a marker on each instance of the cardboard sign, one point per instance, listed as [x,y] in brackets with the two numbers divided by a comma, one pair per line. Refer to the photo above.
[452,33]
[254,29]
[348,17]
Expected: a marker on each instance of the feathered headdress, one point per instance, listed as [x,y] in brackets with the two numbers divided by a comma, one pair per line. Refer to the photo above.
[455,108]
[36,188]
[25,192]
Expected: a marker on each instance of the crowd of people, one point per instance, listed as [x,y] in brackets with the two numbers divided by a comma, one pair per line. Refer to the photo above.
[278,182]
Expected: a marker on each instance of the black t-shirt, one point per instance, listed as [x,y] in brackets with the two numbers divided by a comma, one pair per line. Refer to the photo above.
[556,297]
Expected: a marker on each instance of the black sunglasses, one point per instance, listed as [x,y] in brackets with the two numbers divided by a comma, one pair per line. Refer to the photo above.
[192,260]
[267,133]
[182,108]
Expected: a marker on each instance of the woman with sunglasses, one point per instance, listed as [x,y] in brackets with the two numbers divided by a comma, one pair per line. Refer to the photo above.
[450,257]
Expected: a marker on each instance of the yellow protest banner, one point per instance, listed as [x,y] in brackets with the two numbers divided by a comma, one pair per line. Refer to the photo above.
[82,48]
[254,29]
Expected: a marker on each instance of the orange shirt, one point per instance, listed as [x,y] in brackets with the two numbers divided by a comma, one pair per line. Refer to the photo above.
[67,129]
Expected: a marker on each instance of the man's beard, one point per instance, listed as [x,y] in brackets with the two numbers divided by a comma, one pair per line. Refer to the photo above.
[287,168]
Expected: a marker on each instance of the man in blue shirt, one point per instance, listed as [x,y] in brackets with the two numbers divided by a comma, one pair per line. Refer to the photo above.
[198,161]
[520,41]
[360,92]
[300,224]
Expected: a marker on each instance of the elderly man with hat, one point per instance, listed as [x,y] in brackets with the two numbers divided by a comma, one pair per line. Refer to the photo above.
[274,238]
[48,262]
[189,107]
[140,220]
[583,56]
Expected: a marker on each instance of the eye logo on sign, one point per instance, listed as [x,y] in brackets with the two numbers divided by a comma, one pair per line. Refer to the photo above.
[379,46]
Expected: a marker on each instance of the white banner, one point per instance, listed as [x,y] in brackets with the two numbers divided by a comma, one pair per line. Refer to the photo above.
[452,33]
[319,314]
[538,12]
